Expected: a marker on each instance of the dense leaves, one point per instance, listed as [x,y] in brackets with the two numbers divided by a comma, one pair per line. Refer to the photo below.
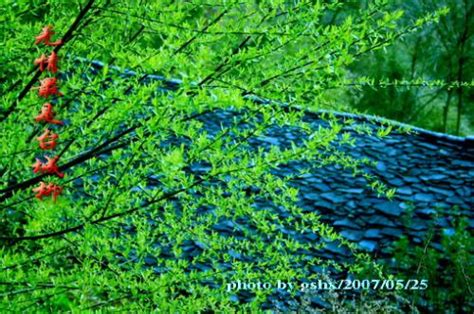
[145,187]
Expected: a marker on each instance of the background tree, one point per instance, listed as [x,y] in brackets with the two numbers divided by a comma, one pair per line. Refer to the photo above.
[441,51]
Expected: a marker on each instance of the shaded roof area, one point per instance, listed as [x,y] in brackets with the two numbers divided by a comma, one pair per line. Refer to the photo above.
[433,175]
[432,172]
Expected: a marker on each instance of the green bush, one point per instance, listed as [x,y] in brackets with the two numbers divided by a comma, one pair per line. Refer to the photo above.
[448,267]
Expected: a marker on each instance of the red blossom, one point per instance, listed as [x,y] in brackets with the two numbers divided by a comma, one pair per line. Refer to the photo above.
[48,87]
[46,190]
[45,36]
[47,140]
[49,167]
[41,62]
[47,115]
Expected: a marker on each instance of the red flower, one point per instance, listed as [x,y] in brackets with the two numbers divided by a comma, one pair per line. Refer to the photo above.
[48,87]
[45,37]
[49,167]
[47,115]
[47,190]
[52,62]
[47,140]
[42,62]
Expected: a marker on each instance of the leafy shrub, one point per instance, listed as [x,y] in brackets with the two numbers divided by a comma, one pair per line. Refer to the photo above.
[448,267]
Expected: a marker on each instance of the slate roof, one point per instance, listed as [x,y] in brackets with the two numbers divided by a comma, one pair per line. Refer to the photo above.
[433,174]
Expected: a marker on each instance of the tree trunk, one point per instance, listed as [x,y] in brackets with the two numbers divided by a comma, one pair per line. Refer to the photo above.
[462,42]
[446,111]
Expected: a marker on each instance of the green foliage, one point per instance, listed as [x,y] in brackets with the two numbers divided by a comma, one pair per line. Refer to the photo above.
[449,267]
[425,78]
[128,194]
